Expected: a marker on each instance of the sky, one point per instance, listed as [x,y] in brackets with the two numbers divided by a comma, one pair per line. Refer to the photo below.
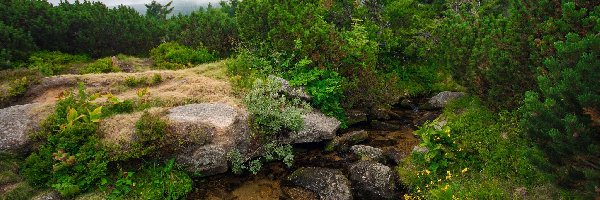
[131,2]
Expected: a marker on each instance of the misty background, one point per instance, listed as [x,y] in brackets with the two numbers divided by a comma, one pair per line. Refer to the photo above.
[179,6]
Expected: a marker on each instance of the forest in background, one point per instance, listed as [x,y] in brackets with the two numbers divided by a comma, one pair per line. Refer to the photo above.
[531,69]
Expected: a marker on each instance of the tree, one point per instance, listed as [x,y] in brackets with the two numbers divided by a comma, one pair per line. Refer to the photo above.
[158,11]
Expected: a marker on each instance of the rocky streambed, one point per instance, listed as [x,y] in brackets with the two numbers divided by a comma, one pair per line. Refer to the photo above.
[359,163]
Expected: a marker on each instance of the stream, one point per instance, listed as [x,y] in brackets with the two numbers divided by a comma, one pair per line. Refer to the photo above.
[394,136]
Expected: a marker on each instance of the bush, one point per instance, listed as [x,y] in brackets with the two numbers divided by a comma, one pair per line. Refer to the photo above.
[16,45]
[172,55]
[71,160]
[563,117]
[472,153]
[103,65]
[52,63]
[153,181]
[272,151]
[271,112]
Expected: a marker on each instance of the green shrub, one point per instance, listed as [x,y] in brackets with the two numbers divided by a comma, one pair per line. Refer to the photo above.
[71,160]
[325,89]
[17,44]
[271,112]
[153,181]
[54,62]
[272,151]
[467,144]
[245,68]
[103,65]
[133,81]
[563,117]
[172,55]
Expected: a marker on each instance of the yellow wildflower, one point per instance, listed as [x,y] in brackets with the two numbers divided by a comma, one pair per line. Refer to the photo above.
[427,171]
[464,170]
[446,187]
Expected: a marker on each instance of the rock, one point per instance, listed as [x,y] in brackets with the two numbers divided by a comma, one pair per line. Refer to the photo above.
[326,183]
[372,180]
[47,195]
[356,116]
[367,152]
[17,123]
[384,125]
[294,92]
[206,160]
[213,130]
[298,193]
[441,99]
[343,142]
[317,127]
[419,149]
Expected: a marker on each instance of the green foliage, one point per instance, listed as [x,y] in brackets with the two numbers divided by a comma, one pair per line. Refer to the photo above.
[81,27]
[271,112]
[563,116]
[172,55]
[272,151]
[52,63]
[103,65]
[467,144]
[213,28]
[71,160]
[17,44]
[153,181]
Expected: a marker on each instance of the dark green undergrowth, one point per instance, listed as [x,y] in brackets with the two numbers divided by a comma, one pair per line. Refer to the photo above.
[153,180]
[172,55]
[474,153]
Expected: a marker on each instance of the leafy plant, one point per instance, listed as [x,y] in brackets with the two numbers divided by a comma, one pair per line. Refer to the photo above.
[71,160]
[272,112]
[103,65]
[172,55]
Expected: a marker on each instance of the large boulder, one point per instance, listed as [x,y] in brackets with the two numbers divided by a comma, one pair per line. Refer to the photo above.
[317,127]
[215,129]
[326,183]
[372,180]
[17,122]
[442,99]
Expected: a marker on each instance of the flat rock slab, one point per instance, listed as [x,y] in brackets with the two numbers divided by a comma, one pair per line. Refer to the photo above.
[218,115]
[17,122]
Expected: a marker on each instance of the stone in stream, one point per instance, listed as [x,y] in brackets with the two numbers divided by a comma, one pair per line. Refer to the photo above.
[317,127]
[343,142]
[17,122]
[356,116]
[367,152]
[372,180]
[380,125]
[328,184]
